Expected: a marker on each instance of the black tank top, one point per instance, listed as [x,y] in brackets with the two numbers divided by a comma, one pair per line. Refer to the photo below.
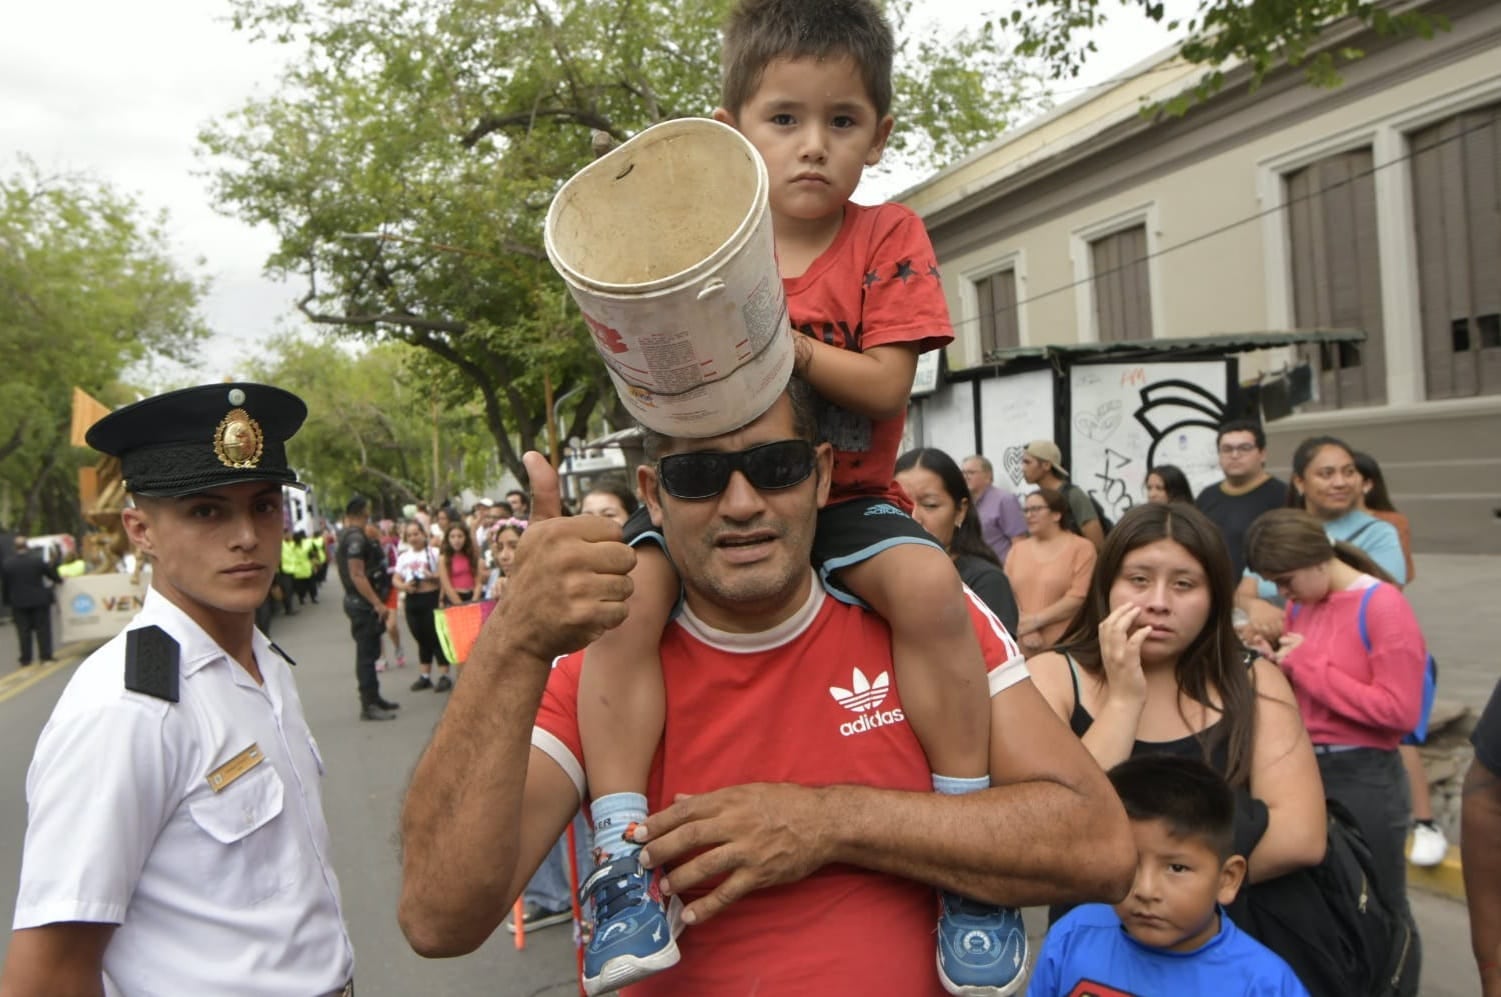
[1191,746]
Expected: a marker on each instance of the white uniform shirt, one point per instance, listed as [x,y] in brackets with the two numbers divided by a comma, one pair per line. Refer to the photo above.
[214,892]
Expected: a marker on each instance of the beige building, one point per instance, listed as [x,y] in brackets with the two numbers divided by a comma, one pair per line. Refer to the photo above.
[1373,206]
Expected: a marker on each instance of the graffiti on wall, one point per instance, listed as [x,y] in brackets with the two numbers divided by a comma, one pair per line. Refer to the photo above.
[1129,418]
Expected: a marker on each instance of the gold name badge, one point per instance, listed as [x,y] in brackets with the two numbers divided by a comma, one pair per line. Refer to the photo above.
[235,767]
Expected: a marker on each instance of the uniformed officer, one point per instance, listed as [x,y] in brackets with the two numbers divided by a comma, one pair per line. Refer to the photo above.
[367,583]
[175,842]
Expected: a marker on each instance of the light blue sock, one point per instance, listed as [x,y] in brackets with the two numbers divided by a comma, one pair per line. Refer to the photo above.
[949,785]
[612,815]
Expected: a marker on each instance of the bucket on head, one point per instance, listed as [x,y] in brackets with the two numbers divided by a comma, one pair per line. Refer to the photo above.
[666,245]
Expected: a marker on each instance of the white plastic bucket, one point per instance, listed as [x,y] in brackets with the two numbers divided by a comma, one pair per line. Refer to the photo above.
[666,245]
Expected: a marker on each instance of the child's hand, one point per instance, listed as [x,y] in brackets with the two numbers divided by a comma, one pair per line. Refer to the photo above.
[1289,643]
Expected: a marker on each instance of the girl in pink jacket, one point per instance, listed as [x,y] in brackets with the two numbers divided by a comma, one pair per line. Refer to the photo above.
[1356,658]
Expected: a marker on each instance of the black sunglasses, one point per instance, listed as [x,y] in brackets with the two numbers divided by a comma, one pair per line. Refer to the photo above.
[703,474]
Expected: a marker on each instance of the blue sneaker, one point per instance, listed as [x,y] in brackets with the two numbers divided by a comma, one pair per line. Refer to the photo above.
[632,935]
[982,948]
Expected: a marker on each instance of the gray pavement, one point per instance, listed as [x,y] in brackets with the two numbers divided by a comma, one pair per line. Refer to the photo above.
[369,764]
[1454,596]
[368,768]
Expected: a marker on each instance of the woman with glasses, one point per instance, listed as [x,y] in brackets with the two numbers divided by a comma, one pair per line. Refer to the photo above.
[940,504]
[1049,571]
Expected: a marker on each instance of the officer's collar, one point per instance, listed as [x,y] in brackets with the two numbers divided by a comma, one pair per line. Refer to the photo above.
[196,647]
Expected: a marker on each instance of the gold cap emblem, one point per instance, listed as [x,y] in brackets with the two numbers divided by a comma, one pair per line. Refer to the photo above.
[238,440]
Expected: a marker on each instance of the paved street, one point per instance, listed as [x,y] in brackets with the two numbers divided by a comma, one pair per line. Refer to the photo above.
[368,765]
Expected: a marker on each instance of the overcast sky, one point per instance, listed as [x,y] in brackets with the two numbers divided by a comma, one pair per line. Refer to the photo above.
[118,91]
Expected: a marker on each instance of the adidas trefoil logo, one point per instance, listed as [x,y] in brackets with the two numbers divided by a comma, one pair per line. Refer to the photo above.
[864,698]
[865,695]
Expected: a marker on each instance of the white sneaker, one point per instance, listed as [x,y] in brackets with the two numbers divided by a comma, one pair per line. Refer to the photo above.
[1429,846]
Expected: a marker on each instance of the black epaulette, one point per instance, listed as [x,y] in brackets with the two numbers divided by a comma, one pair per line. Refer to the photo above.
[151,663]
[284,655]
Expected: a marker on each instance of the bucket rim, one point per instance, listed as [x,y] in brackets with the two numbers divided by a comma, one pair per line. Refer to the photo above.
[759,209]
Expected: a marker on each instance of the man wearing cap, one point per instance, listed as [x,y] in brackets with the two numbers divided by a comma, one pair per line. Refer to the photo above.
[367,581]
[175,840]
[1042,465]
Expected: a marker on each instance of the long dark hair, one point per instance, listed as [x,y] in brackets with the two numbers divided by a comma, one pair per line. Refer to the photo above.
[967,539]
[1214,660]
[1286,540]
[446,550]
[1378,497]
[1302,457]
[1174,482]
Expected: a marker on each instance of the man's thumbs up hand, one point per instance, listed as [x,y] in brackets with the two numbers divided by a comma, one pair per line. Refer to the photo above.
[571,578]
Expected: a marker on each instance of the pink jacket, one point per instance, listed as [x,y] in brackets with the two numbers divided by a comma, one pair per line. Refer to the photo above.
[1349,695]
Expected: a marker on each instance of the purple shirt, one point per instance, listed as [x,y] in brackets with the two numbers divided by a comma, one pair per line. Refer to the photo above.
[1000,519]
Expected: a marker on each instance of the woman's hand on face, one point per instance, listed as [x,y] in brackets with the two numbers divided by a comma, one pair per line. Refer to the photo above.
[1120,653]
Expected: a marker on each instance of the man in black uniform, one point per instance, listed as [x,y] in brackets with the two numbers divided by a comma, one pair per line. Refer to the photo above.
[24,582]
[362,569]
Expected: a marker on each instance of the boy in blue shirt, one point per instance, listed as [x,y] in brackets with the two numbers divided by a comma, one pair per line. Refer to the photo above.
[1171,934]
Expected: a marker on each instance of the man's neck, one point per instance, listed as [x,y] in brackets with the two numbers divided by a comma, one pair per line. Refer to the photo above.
[755,617]
[1233,486]
[233,632]
[1051,480]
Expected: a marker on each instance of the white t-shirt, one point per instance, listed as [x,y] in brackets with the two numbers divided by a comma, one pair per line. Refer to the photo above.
[416,565]
[214,891]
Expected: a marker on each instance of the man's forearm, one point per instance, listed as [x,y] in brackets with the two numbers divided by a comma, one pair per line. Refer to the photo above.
[989,845]
[1481,837]
[462,816]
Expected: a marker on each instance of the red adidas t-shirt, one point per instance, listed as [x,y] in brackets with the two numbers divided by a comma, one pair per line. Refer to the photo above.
[812,702]
[878,284]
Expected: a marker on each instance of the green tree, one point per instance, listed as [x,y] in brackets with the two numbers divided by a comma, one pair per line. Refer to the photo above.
[88,289]
[1262,34]
[445,127]
[377,422]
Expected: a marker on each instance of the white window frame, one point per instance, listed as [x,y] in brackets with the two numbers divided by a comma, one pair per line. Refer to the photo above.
[1014,260]
[1401,311]
[1079,241]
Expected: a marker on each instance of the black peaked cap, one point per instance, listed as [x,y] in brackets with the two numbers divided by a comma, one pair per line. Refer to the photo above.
[200,438]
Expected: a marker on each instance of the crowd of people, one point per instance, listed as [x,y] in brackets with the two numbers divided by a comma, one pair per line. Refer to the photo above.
[803,725]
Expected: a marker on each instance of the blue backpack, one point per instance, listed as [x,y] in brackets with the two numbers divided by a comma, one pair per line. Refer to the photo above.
[1430,672]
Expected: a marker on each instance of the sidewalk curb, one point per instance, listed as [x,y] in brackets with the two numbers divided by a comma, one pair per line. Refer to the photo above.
[1445,879]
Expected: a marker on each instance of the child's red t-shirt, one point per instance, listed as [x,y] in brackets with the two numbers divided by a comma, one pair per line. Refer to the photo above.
[876,285]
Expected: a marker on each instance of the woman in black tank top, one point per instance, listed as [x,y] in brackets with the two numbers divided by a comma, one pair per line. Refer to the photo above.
[1151,665]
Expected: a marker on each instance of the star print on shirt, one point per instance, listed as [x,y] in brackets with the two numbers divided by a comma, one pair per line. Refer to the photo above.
[933,272]
[904,271]
[872,278]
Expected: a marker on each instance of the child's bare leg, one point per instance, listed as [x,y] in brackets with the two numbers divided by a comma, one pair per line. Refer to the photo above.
[940,669]
[622,704]
[940,672]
